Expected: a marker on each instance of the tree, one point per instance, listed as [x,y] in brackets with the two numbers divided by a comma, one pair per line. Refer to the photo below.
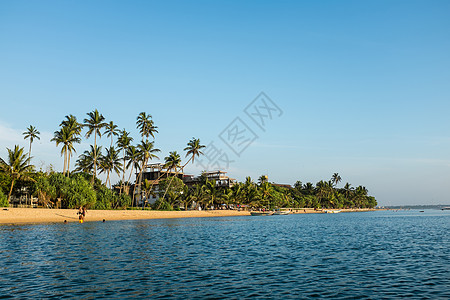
[335,179]
[110,162]
[85,162]
[147,151]
[123,142]
[17,166]
[66,136]
[172,162]
[193,149]
[262,179]
[72,125]
[94,123]
[133,157]
[31,133]
[111,130]
[146,126]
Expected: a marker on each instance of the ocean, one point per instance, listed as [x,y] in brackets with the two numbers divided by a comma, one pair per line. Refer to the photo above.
[362,255]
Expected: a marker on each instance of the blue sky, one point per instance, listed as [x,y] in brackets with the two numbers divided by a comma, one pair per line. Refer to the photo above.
[363,85]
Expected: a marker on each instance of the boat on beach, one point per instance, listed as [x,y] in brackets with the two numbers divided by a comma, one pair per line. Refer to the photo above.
[332,211]
[281,212]
[260,213]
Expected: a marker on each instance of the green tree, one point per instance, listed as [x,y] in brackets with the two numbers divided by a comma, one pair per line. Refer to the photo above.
[94,122]
[172,162]
[147,152]
[111,131]
[71,124]
[85,162]
[123,142]
[31,133]
[146,126]
[335,179]
[17,166]
[67,137]
[109,163]
[3,199]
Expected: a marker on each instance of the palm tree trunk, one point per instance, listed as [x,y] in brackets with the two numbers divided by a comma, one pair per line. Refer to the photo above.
[65,162]
[68,165]
[138,178]
[95,157]
[29,154]
[10,190]
[107,179]
[123,173]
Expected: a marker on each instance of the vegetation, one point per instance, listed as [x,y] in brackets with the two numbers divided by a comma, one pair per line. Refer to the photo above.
[81,187]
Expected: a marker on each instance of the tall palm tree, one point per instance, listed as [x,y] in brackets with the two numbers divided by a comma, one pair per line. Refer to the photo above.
[193,149]
[111,130]
[85,162]
[146,126]
[31,133]
[17,166]
[66,137]
[172,162]
[133,157]
[147,151]
[94,123]
[72,125]
[335,179]
[123,142]
[110,162]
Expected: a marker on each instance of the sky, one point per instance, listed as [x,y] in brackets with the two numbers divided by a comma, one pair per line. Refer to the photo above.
[297,90]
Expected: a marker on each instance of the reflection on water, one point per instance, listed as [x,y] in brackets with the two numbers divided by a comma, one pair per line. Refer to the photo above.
[363,255]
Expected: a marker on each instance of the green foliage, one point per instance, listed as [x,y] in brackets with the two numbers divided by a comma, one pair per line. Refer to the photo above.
[3,199]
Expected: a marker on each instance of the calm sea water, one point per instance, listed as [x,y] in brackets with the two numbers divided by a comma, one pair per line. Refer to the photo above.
[349,255]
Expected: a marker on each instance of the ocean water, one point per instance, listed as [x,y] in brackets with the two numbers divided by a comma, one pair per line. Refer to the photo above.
[370,255]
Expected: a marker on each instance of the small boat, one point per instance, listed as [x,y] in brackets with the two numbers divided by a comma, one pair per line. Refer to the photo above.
[446,208]
[281,212]
[260,213]
[332,211]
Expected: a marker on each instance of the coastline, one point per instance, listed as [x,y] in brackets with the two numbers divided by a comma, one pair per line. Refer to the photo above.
[42,215]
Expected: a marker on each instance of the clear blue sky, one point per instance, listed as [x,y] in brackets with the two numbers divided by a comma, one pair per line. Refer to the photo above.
[364,86]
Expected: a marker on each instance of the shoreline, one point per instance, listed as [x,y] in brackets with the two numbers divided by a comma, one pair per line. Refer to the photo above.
[14,216]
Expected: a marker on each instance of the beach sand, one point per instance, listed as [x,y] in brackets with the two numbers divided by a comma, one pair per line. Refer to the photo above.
[41,215]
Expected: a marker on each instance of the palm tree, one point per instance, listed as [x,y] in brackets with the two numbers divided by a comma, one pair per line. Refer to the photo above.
[146,126]
[110,163]
[74,128]
[262,179]
[31,133]
[111,130]
[172,162]
[335,179]
[147,151]
[123,142]
[211,192]
[85,162]
[66,137]
[133,157]
[94,123]
[266,191]
[17,166]
[194,149]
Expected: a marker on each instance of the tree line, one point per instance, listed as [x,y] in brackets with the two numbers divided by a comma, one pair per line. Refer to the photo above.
[82,186]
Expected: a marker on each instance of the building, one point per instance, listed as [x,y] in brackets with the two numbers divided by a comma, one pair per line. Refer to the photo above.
[156,172]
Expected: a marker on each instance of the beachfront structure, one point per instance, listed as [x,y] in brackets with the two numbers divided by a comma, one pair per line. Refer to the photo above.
[155,172]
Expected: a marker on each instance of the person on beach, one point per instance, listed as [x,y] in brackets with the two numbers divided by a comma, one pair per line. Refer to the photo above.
[81,213]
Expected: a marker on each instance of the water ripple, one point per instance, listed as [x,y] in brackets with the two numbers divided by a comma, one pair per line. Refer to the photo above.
[358,255]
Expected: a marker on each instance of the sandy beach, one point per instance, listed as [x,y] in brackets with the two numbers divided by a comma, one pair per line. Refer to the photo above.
[40,215]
